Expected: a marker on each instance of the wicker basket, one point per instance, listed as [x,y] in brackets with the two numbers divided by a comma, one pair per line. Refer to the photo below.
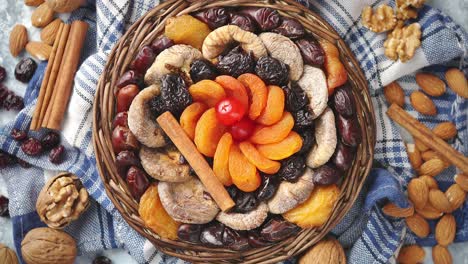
[146,29]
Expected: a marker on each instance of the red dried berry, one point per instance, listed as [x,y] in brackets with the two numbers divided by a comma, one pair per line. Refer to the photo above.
[18,135]
[32,147]
[56,154]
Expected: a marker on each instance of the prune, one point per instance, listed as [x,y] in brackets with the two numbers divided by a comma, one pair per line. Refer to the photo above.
[290,28]
[245,202]
[123,139]
[189,233]
[137,181]
[130,77]
[120,119]
[214,17]
[235,240]
[212,235]
[202,70]
[266,18]
[51,140]
[296,98]
[302,119]
[56,154]
[2,74]
[256,241]
[277,229]
[143,60]
[312,52]
[18,135]
[174,94]
[161,44]
[272,71]
[9,100]
[25,70]
[343,101]
[242,21]
[326,174]
[349,131]
[5,160]
[343,157]
[32,147]
[125,97]
[292,168]
[124,160]
[232,190]
[236,62]
[4,206]
[268,188]
[308,139]
[102,260]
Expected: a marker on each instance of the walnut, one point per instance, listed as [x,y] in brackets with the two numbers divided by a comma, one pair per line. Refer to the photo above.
[45,246]
[383,19]
[8,255]
[403,41]
[62,200]
[406,9]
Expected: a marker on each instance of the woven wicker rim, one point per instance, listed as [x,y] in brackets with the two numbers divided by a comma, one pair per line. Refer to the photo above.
[145,30]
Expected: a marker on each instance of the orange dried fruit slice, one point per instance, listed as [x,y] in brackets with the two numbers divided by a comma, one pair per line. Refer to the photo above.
[208,132]
[155,216]
[283,149]
[257,91]
[234,88]
[274,107]
[244,174]
[221,160]
[336,72]
[186,30]
[208,92]
[274,133]
[316,210]
[263,164]
[190,116]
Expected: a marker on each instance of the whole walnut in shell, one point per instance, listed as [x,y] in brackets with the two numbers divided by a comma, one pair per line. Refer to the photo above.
[48,246]
[7,255]
[324,252]
[62,200]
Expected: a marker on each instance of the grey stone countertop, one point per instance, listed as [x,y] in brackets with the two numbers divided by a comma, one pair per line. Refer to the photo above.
[14,11]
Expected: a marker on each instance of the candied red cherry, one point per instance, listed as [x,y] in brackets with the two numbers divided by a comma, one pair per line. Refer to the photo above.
[143,60]
[161,44]
[266,18]
[51,140]
[120,119]
[214,17]
[4,206]
[32,147]
[130,77]
[290,28]
[137,181]
[123,139]
[242,21]
[2,74]
[229,111]
[125,97]
[18,135]
[56,154]
[243,129]
[311,51]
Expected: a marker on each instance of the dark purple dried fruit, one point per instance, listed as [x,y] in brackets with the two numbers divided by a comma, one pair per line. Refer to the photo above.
[9,100]
[236,62]
[296,98]
[272,71]
[31,147]
[349,131]
[18,135]
[277,229]
[343,157]
[161,44]
[302,119]
[137,181]
[51,140]
[214,17]
[174,94]
[25,70]
[290,28]
[326,174]
[256,241]
[120,119]
[343,101]
[212,235]
[312,52]
[189,233]
[245,202]
[6,159]
[24,164]
[123,139]
[235,240]
[266,18]
[102,260]
[202,70]
[268,188]
[130,77]
[242,21]
[143,60]
[4,212]
[308,140]
[124,160]
[292,168]
[2,74]
[56,154]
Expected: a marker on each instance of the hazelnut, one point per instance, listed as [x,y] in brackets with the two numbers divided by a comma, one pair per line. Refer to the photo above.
[8,255]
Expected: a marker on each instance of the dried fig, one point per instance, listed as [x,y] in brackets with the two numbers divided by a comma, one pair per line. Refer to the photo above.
[314,84]
[325,140]
[165,164]
[46,245]
[244,221]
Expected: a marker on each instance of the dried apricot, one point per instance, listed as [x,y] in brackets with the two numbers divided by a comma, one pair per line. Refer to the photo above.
[208,132]
[190,116]
[336,72]
[257,91]
[274,133]
[234,88]
[316,210]
[187,30]
[155,216]
[221,160]
[207,91]
[274,108]
[283,149]
[244,174]
[263,164]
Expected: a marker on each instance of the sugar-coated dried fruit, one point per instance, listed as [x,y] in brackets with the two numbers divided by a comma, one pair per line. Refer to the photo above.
[283,149]
[263,164]
[272,71]
[25,69]
[244,22]
[274,108]
[244,174]
[234,88]
[214,17]
[207,92]
[336,72]
[190,117]
[266,18]
[274,133]
[186,29]
[221,160]
[208,132]
[236,62]
[292,168]
[325,140]
[201,69]
[257,91]
[290,28]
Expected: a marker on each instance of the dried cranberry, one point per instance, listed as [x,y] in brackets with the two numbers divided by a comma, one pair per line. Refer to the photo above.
[214,17]
[266,18]
[6,160]
[120,119]
[18,135]
[308,139]
[24,164]
[124,160]
[277,229]
[4,206]
[2,74]
[235,240]
[236,62]
[311,51]
[290,28]
[242,21]
[326,174]
[202,70]
[296,98]
[102,260]
[256,241]
[31,147]
[51,140]
[161,44]
[189,233]
[56,154]
[212,235]
[292,168]
[137,181]
[272,71]
[25,69]
[143,60]
[343,101]
[268,188]
[130,77]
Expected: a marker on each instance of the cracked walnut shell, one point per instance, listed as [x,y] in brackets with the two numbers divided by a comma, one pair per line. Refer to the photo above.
[403,41]
[62,200]
[383,19]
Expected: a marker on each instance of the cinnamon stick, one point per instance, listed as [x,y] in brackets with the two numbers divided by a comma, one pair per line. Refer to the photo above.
[69,66]
[175,132]
[427,137]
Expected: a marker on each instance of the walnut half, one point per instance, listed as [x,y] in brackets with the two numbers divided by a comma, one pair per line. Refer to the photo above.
[62,200]
[402,42]
[383,19]
[406,9]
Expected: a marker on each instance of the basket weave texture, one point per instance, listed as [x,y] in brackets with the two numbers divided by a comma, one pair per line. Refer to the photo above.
[143,32]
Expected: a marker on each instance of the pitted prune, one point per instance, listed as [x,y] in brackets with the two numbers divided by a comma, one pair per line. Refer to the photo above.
[143,60]
[349,131]
[236,62]
[245,202]
[277,229]
[130,77]
[266,18]
[272,71]
[308,139]
[290,28]
[242,21]
[189,233]
[235,240]
[255,240]
[214,17]
[296,98]
[311,51]
[343,101]
[292,168]
[202,70]
[137,181]
[25,70]
[302,119]
[175,96]
[161,44]
[268,188]
[212,235]
[326,174]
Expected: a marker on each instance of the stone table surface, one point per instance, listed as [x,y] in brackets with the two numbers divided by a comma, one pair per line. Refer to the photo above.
[14,11]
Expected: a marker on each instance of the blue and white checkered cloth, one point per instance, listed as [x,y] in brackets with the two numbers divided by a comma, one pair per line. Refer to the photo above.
[368,235]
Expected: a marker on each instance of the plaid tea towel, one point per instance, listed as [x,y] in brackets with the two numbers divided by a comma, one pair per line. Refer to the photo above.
[368,235]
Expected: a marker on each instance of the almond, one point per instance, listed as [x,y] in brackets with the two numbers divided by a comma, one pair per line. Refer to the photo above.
[39,50]
[456,196]
[394,94]
[432,167]
[430,154]
[423,104]
[414,156]
[429,212]
[430,182]
[42,16]
[418,192]
[393,210]
[18,39]
[411,254]
[421,146]
[462,181]
[440,202]
[33,2]
[441,255]
[445,230]
[65,6]
[430,84]
[445,130]
[418,225]
[457,82]
[49,33]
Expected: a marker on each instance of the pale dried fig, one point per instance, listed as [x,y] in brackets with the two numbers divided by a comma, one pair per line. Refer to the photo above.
[246,221]
[314,84]
[165,164]
[325,140]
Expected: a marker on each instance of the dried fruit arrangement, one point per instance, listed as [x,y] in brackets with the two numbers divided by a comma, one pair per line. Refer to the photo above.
[234,128]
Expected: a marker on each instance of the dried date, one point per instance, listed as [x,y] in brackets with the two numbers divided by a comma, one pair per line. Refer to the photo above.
[212,235]
[349,131]
[143,60]
[290,28]
[311,51]
[343,101]
[277,229]
[161,44]
[242,21]
[189,233]
[326,174]
[137,181]
[343,157]
[235,240]
[130,77]
[214,17]
[265,17]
